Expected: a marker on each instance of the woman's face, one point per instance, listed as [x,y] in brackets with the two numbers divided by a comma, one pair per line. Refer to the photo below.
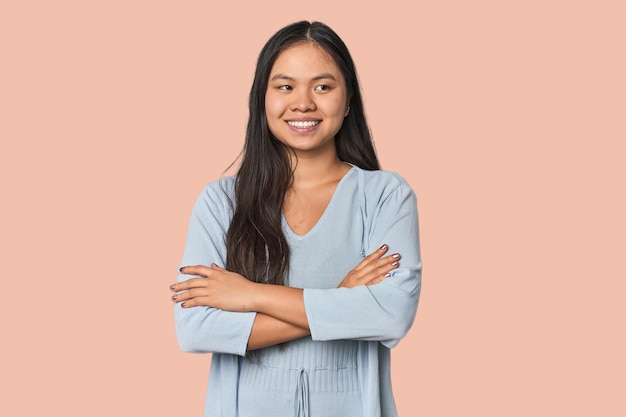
[306,99]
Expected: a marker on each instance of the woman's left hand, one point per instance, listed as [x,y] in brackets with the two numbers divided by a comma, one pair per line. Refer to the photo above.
[217,288]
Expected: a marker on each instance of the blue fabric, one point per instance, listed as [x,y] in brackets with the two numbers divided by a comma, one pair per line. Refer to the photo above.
[301,378]
[368,209]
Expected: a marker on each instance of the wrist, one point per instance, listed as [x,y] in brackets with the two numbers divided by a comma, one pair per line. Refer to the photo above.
[267,298]
[257,296]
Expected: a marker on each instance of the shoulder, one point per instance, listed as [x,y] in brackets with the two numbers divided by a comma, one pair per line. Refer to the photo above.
[220,188]
[217,195]
[383,184]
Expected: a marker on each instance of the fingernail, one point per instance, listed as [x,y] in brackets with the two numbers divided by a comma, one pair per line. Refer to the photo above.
[174,297]
[181,269]
[383,247]
[183,305]
[396,256]
[388,274]
[173,287]
[395,263]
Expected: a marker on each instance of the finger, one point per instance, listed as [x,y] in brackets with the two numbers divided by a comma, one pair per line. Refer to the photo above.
[188,303]
[377,254]
[376,258]
[386,264]
[199,270]
[217,268]
[386,271]
[180,297]
[194,302]
[188,295]
[379,274]
[188,284]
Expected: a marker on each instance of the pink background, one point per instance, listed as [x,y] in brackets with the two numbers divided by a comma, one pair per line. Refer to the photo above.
[508,119]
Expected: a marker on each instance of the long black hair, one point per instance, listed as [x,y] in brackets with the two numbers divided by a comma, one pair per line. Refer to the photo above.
[256,245]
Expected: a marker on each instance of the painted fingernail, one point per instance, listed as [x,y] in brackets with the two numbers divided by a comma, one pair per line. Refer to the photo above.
[181,269]
[174,297]
[173,287]
[383,247]
[396,256]
[388,274]
[395,263]
[183,305]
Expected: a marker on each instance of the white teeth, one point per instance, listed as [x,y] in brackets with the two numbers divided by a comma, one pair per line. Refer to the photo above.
[303,124]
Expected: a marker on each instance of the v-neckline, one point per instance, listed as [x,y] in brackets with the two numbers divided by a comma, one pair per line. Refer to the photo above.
[321,218]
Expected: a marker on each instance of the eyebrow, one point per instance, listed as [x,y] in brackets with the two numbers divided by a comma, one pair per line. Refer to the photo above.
[323,76]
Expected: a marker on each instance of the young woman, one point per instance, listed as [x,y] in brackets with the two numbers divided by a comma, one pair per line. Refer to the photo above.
[291,273]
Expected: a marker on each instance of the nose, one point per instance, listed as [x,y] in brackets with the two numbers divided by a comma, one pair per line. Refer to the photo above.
[303,101]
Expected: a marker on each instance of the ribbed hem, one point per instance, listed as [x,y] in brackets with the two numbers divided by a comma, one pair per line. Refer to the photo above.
[330,366]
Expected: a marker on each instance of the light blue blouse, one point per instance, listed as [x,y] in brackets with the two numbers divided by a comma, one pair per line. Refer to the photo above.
[368,209]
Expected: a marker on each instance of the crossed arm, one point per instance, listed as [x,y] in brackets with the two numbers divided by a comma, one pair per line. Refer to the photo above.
[281,315]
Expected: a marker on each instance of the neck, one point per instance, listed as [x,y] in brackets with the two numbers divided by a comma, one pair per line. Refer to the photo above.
[311,172]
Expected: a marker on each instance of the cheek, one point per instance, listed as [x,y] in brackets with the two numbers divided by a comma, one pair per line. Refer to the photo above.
[273,114]
[336,108]
[336,104]
[273,106]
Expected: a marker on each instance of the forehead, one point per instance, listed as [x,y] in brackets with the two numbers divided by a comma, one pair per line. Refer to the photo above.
[304,60]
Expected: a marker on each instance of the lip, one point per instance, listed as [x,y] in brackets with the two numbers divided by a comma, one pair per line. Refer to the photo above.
[307,125]
[304,119]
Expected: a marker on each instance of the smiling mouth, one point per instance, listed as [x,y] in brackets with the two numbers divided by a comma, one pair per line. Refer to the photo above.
[303,124]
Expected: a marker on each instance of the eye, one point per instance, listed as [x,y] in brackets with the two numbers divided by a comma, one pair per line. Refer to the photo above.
[322,88]
[285,87]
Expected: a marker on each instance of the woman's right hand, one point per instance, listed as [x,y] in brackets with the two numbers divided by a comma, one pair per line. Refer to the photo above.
[373,269]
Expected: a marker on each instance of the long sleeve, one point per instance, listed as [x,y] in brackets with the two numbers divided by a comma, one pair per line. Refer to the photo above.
[206,329]
[383,312]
